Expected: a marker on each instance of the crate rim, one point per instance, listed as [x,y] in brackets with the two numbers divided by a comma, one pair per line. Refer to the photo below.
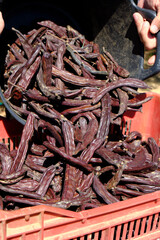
[105,209]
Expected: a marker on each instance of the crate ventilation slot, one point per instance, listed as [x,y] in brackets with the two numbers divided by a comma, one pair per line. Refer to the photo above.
[126,127]
[127,231]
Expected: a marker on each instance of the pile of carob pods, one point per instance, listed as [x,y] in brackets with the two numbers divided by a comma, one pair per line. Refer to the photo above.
[72,153]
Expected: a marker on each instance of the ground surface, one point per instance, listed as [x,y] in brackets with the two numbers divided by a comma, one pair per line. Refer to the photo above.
[153,82]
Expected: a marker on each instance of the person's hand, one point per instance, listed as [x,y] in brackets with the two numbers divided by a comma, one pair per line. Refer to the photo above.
[1,22]
[146,30]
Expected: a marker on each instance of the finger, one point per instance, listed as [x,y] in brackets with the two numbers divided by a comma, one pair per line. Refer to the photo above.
[141,3]
[155,25]
[143,28]
[146,37]
[1,22]
[138,19]
[151,60]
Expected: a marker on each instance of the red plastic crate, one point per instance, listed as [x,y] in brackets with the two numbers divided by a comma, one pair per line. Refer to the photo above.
[10,132]
[137,218]
[146,122]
